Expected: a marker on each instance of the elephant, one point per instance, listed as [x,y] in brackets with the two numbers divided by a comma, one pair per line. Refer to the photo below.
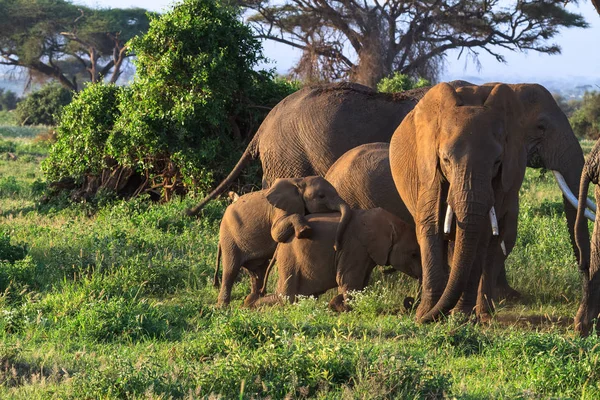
[466,149]
[309,130]
[311,267]
[363,178]
[589,309]
[253,225]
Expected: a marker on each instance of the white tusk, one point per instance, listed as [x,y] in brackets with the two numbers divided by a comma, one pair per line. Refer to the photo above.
[590,204]
[448,219]
[494,221]
[562,184]
[503,247]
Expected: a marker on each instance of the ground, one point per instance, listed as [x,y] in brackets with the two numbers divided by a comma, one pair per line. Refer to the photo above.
[114,300]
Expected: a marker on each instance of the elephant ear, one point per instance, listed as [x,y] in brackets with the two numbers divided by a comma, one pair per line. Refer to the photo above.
[379,235]
[439,101]
[285,195]
[504,99]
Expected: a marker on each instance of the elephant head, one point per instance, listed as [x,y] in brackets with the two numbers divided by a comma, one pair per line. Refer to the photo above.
[469,144]
[391,241]
[310,195]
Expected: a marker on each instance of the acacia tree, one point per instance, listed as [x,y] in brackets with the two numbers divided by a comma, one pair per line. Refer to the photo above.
[59,40]
[365,40]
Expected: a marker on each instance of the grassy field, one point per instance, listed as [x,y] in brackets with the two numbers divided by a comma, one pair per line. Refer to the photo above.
[114,300]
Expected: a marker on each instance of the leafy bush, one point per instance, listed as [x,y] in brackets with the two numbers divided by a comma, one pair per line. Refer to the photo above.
[43,106]
[85,126]
[8,100]
[586,120]
[194,103]
[399,83]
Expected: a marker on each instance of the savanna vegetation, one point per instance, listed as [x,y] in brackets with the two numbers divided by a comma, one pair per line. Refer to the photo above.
[112,298]
[108,294]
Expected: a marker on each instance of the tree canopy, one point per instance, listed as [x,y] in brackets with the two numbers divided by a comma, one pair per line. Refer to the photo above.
[67,42]
[365,40]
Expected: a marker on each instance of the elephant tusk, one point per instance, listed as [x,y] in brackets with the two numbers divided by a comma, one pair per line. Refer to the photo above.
[590,204]
[571,198]
[503,247]
[494,221]
[448,220]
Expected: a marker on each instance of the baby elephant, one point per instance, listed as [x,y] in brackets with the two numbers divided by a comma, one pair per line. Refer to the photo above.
[311,266]
[252,226]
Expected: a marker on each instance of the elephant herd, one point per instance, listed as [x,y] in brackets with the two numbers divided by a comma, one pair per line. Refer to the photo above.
[426,181]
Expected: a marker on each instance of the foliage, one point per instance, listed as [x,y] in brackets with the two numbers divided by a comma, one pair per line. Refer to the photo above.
[586,120]
[568,106]
[195,101]
[8,100]
[400,83]
[43,107]
[68,42]
[365,41]
[122,303]
[86,124]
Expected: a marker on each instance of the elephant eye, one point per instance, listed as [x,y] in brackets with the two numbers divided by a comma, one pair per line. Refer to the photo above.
[321,196]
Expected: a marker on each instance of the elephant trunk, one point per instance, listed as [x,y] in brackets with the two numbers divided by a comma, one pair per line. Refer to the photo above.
[582,320]
[346,215]
[472,217]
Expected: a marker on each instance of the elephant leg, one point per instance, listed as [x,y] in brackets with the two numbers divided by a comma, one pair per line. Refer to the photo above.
[257,278]
[433,255]
[231,268]
[589,309]
[338,304]
[348,279]
[268,300]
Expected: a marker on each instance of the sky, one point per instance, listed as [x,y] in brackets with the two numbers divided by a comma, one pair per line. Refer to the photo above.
[580,56]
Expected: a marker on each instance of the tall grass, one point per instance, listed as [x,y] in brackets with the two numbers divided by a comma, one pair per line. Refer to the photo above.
[113,299]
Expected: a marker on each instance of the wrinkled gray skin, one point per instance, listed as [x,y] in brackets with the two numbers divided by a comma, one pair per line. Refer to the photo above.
[311,267]
[252,226]
[310,129]
[589,309]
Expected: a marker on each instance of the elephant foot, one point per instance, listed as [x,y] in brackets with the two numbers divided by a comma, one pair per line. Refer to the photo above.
[584,321]
[251,300]
[338,304]
[222,304]
[424,307]
[304,232]
[484,318]
[508,293]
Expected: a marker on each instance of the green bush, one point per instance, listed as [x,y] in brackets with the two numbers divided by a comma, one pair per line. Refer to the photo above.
[586,120]
[43,106]
[399,83]
[85,126]
[8,100]
[194,104]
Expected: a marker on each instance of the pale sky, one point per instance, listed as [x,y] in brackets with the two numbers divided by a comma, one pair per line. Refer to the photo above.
[580,50]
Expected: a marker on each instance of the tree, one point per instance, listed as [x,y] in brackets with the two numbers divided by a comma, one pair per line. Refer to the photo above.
[194,102]
[586,120]
[365,40]
[66,42]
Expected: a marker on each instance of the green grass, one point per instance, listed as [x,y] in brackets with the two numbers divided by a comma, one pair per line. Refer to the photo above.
[114,300]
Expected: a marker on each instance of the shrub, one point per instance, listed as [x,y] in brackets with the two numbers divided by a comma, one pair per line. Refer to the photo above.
[194,103]
[8,100]
[586,120]
[399,83]
[44,106]
[81,136]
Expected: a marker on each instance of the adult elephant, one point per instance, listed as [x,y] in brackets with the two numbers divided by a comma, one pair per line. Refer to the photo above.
[467,151]
[308,130]
[588,315]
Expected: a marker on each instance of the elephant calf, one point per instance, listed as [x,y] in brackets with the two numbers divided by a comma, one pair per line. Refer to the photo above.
[311,266]
[255,222]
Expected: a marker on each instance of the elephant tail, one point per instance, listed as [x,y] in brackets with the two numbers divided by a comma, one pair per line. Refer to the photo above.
[263,290]
[581,223]
[250,153]
[216,277]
